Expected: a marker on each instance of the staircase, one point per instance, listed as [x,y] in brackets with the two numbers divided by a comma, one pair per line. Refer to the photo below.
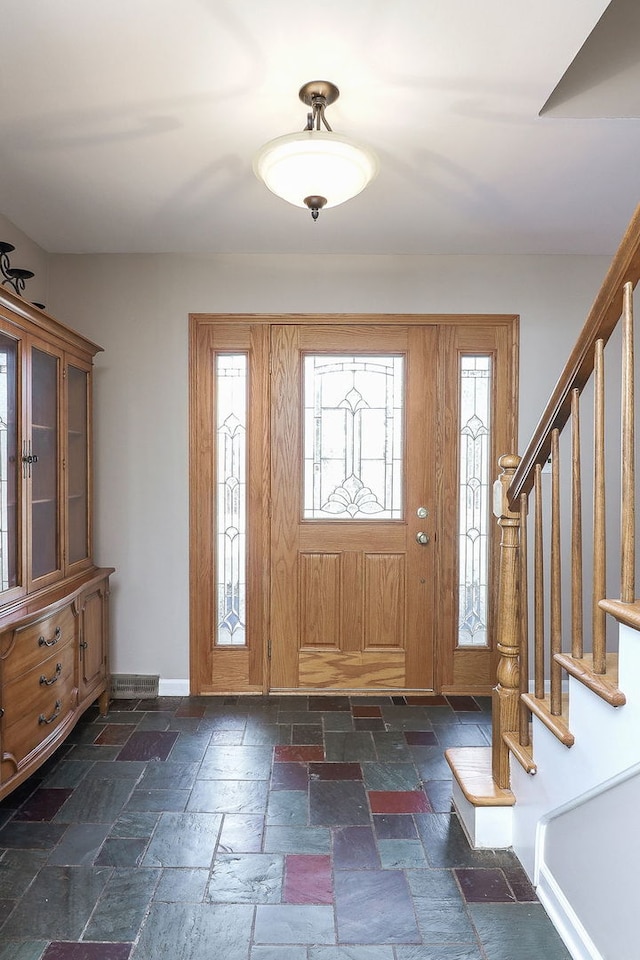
[560,780]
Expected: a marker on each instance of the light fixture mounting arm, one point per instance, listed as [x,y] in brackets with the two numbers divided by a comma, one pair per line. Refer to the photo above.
[318,94]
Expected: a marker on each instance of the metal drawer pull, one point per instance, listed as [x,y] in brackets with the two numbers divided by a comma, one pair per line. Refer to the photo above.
[53,679]
[56,713]
[50,643]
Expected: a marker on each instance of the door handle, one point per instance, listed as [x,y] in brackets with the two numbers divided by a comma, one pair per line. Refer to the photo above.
[422,538]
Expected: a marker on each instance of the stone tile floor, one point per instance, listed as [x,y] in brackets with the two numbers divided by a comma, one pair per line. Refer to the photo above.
[270,828]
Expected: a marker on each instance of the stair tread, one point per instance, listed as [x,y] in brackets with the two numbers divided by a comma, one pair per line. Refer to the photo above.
[556,724]
[603,685]
[471,767]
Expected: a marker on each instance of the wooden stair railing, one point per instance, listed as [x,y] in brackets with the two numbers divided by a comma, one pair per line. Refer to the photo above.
[520,482]
[518,493]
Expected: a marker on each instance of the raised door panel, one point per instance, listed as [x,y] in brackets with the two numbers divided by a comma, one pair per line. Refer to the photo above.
[92,634]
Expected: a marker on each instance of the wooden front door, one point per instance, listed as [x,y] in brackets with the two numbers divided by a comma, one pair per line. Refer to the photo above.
[353,435]
[320,448]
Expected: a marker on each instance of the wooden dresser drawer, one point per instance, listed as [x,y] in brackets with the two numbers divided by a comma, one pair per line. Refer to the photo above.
[43,715]
[28,646]
[38,688]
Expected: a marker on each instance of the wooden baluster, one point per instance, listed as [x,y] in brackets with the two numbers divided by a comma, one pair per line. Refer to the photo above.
[555,585]
[599,528]
[506,694]
[524,622]
[577,626]
[628,506]
[538,588]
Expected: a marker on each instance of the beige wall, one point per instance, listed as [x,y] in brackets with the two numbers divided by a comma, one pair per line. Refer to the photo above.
[137,308]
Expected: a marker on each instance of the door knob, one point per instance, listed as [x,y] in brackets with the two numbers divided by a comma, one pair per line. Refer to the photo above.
[422,538]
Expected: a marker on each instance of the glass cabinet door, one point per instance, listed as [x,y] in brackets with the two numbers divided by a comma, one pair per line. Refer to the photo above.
[77,460]
[45,440]
[9,463]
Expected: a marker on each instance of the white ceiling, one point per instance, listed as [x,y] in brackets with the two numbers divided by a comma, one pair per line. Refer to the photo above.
[130,126]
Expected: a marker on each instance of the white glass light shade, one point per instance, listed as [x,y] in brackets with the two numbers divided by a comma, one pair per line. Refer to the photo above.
[313,163]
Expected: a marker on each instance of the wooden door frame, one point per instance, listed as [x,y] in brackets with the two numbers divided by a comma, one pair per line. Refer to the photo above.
[202,341]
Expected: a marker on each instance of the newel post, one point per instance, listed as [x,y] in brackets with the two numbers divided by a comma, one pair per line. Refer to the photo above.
[506,692]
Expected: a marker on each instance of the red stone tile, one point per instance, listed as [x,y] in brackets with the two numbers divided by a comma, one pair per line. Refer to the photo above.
[148,745]
[328,703]
[463,704]
[335,771]
[307,879]
[484,885]
[428,701]
[398,801]
[43,804]
[420,738]
[115,733]
[368,723]
[191,710]
[298,752]
[365,711]
[87,951]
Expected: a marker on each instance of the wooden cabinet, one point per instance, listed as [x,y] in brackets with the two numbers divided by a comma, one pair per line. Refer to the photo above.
[54,619]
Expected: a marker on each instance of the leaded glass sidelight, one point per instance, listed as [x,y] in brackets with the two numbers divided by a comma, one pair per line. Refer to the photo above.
[474,478]
[231,489]
[353,435]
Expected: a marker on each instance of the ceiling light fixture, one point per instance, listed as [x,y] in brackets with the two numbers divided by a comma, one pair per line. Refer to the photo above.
[314,168]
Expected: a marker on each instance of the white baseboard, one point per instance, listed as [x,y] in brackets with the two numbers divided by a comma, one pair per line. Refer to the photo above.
[173,688]
[565,920]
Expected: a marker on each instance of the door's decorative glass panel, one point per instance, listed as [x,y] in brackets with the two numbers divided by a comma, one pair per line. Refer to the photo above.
[353,433]
[8,463]
[77,464]
[45,539]
[231,483]
[475,447]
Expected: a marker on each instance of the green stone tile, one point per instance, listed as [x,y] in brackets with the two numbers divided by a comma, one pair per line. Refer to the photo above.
[122,907]
[372,951]
[229,796]
[349,746]
[236,763]
[401,854]
[187,931]
[190,748]
[443,921]
[246,878]
[297,840]
[116,770]
[390,776]
[266,734]
[169,774]
[434,885]
[135,825]
[391,747]
[179,885]
[17,869]
[294,923]
[441,951]
[183,840]
[68,773]
[279,952]
[520,930]
[95,801]
[157,800]
[60,901]
[288,807]
[80,844]
[25,950]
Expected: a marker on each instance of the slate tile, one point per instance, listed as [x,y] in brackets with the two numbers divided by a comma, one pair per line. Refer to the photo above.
[294,923]
[522,930]
[80,844]
[87,951]
[134,824]
[446,845]
[348,746]
[31,836]
[241,833]
[337,802]
[370,951]
[288,807]
[335,771]
[223,762]
[354,848]
[421,738]
[390,776]
[298,753]
[123,905]
[296,839]
[43,804]
[23,950]
[17,870]
[394,826]
[159,801]
[119,852]
[307,879]
[59,904]
[484,885]
[182,885]
[392,920]
[398,801]
[229,796]
[329,703]
[115,733]
[289,776]
[95,801]
[188,930]
[443,921]
[246,878]
[183,840]
[466,704]
[148,745]
[366,710]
